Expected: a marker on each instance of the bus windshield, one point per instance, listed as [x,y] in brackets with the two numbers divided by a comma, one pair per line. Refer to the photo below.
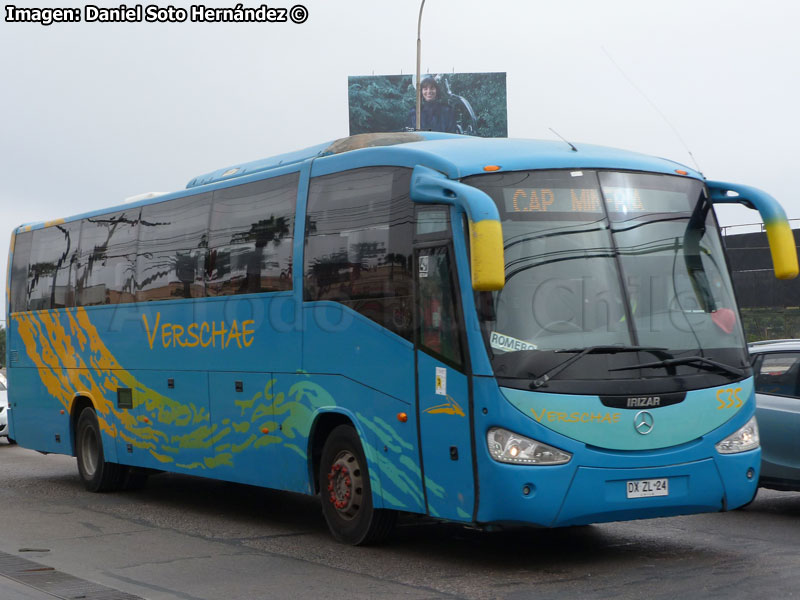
[613,260]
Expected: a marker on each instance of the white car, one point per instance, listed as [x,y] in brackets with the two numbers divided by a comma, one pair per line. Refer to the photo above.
[3,406]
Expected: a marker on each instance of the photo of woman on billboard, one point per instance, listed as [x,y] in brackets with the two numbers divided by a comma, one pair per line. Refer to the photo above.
[435,115]
[462,103]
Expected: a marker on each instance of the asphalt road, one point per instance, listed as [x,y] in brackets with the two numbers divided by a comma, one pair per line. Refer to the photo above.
[183,538]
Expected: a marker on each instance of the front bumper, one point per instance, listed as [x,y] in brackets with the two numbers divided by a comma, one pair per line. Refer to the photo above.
[578,495]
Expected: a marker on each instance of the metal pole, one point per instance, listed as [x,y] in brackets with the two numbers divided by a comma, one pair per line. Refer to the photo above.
[419,49]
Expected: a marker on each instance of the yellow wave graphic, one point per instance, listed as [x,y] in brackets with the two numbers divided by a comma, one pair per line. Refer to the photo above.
[451,407]
[73,361]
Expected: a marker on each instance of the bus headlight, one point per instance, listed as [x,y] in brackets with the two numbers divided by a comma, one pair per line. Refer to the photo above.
[509,447]
[741,441]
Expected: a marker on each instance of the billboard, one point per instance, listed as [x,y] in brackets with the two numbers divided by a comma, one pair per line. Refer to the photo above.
[465,103]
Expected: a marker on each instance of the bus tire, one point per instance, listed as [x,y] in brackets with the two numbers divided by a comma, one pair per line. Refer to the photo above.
[97,474]
[346,493]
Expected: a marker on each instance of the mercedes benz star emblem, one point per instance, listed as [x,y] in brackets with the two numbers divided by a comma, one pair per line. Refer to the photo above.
[643,422]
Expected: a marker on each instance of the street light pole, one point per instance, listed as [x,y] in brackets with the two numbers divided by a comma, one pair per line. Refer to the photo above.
[419,47]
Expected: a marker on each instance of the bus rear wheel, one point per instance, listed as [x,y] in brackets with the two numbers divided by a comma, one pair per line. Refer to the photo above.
[346,492]
[97,474]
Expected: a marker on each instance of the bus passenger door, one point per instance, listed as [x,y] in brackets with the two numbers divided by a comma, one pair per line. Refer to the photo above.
[443,402]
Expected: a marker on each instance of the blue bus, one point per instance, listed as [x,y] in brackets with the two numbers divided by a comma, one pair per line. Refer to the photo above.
[485,331]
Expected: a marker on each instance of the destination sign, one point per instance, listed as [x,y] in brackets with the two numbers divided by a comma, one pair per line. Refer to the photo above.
[588,200]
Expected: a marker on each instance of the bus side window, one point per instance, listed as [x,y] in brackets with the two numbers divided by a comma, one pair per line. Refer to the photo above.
[250,241]
[18,302]
[431,220]
[173,238]
[106,263]
[359,233]
[439,326]
[64,293]
[49,281]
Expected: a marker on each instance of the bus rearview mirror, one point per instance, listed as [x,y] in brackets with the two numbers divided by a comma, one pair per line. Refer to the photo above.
[779,233]
[485,232]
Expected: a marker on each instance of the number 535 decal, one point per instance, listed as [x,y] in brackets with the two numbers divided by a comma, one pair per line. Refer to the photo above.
[728,398]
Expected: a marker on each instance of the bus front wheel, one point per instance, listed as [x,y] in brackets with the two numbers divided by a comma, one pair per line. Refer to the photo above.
[97,474]
[346,493]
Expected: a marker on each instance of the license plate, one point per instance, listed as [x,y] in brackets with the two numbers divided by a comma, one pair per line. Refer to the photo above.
[646,488]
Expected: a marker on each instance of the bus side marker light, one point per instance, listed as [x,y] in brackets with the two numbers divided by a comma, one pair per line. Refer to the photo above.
[402,417]
[265,430]
[681,172]
[491,168]
[62,411]
[145,419]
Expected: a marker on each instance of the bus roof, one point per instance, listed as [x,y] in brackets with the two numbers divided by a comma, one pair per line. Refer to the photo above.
[460,155]
[454,155]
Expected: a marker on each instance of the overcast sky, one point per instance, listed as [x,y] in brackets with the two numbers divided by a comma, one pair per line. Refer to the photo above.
[92,113]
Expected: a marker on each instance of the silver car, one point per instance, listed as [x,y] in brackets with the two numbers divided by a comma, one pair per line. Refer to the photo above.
[3,407]
[776,366]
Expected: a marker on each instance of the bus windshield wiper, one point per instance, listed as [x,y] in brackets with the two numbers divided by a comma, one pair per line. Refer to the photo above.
[581,352]
[686,360]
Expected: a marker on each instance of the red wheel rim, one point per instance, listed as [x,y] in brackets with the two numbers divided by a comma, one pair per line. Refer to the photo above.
[345,485]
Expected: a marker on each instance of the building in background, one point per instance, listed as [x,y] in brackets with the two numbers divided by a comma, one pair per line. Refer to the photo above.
[770,307]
